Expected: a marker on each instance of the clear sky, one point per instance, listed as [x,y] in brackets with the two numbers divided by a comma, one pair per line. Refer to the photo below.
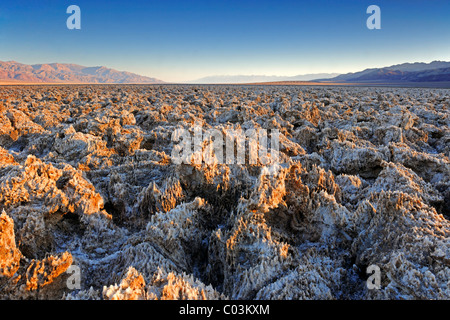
[188,39]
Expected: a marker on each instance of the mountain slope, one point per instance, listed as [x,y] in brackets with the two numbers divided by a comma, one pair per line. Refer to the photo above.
[67,73]
[406,72]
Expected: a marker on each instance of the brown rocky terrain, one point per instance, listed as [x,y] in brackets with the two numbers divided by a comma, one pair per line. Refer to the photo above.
[87,181]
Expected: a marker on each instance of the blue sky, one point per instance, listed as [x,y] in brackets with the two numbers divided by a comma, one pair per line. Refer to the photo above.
[186,40]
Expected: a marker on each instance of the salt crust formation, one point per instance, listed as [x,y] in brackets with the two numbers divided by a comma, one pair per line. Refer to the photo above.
[86,180]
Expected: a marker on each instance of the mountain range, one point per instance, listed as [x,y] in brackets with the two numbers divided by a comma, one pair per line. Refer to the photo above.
[67,73]
[435,71]
[419,72]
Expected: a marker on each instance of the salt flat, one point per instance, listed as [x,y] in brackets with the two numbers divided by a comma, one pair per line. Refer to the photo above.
[89,188]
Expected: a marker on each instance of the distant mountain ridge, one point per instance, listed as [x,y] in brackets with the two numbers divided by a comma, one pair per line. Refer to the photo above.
[407,72]
[67,73]
[218,79]
[435,71]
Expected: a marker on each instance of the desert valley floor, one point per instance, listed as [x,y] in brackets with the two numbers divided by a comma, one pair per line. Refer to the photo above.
[93,207]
